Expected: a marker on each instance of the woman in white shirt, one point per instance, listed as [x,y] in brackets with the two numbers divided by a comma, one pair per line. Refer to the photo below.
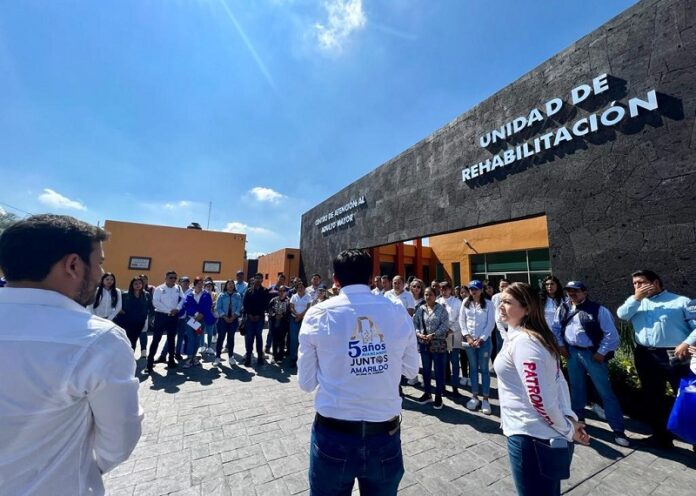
[107,303]
[535,410]
[551,298]
[477,320]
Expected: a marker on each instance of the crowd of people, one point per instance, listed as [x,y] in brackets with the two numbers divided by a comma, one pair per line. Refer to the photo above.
[459,332]
[53,264]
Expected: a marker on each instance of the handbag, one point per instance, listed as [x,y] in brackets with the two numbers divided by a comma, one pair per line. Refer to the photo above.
[681,419]
[242,328]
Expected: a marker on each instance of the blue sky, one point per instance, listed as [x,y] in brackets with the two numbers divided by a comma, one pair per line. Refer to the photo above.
[146,110]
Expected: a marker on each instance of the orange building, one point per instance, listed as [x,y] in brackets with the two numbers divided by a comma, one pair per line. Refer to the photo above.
[517,250]
[135,249]
[285,260]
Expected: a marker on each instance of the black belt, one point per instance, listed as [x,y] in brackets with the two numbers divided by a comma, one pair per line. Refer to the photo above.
[359,427]
[581,347]
[653,348]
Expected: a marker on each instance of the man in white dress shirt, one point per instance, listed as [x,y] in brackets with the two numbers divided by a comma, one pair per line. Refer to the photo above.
[401,297]
[71,414]
[353,349]
[168,300]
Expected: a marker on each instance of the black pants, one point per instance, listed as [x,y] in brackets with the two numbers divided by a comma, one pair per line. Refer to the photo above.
[133,331]
[279,330]
[226,329]
[654,371]
[163,324]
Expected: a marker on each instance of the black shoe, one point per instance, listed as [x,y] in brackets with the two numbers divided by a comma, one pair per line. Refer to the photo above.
[179,357]
[437,404]
[426,398]
[268,351]
[162,359]
[247,362]
[659,442]
[171,364]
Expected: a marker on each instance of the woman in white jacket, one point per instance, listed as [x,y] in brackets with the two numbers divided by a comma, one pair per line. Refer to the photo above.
[107,303]
[535,407]
[477,321]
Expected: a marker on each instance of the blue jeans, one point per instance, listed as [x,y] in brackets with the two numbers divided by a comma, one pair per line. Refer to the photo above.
[294,338]
[498,340]
[254,332]
[193,342]
[428,359]
[337,459]
[478,362]
[580,363]
[226,329]
[454,363]
[209,333]
[533,467]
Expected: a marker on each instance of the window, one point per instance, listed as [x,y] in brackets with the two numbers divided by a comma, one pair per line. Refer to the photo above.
[529,266]
[456,274]
[440,272]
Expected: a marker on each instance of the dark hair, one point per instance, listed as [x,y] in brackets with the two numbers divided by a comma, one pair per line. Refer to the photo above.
[258,274]
[29,248]
[131,291]
[197,279]
[469,299]
[113,291]
[170,273]
[352,267]
[557,296]
[315,275]
[234,285]
[648,274]
[534,322]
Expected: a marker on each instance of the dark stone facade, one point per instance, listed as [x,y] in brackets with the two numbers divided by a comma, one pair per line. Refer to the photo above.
[620,199]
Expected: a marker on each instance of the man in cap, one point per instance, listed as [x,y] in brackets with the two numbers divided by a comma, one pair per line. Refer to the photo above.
[587,337]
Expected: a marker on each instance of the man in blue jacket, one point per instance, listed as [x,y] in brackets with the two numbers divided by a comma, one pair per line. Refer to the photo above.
[664,328]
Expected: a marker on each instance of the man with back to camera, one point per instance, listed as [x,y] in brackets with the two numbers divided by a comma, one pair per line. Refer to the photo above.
[664,329]
[73,415]
[353,349]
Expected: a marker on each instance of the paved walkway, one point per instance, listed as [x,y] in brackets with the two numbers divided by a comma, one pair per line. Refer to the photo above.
[245,431]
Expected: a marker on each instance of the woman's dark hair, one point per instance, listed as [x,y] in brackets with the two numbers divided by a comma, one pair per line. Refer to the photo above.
[29,248]
[234,286]
[113,291]
[131,291]
[469,299]
[197,279]
[353,267]
[557,296]
[534,322]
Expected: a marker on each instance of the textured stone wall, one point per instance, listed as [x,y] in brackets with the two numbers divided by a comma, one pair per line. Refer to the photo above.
[617,200]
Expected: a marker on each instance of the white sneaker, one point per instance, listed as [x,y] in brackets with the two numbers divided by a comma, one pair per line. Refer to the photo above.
[216,362]
[464,381]
[232,361]
[414,381]
[621,440]
[486,407]
[201,349]
[599,411]
[472,404]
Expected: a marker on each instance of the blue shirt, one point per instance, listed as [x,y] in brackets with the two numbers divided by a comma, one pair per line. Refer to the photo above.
[225,300]
[662,321]
[575,335]
[241,287]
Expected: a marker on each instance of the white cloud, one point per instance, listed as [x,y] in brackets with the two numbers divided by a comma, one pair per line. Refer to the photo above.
[55,200]
[266,194]
[3,211]
[239,227]
[344,17]
[178,205]
[255,254]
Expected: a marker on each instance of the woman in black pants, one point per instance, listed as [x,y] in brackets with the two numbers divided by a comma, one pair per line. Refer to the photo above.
[134,310]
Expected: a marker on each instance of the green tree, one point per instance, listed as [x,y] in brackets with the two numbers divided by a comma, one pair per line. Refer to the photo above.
[6,218]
